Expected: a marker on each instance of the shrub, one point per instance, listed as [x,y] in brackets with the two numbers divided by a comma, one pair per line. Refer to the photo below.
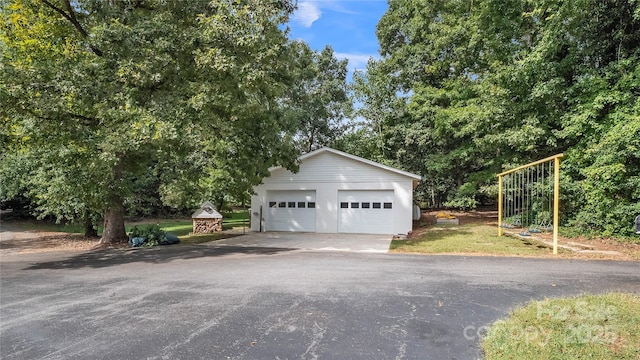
[152,235]
[462,203]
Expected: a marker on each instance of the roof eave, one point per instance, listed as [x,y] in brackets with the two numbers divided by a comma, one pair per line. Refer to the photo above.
[416,178]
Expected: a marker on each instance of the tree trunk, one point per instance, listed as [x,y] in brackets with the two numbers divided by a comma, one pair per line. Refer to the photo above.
[90,230]
[114,231]
[220,203]
[309,144]
[310,141]
[433,197]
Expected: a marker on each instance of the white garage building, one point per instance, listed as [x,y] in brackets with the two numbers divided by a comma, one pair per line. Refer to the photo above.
[335,192]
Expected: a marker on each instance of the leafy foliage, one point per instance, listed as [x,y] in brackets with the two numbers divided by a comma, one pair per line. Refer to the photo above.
[107,98]
[152,235]
[317,103]
[467,89]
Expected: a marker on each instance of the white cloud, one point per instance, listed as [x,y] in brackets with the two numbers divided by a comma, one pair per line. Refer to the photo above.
[307,13]
[337,6]
[356,61]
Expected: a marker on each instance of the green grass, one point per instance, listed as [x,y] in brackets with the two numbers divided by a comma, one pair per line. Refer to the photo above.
[179,227]
[576,232]
[584,327]
[476,239]
[176,227]
[236,218]
[184,227]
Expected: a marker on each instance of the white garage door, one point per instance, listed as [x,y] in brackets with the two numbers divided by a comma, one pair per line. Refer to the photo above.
[365,212]
[291,210]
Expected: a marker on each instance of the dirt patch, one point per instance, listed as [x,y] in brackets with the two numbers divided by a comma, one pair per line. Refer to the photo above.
[49,242]
[469,217]
[14,241]
[630,250]
[428,219]
[582,247]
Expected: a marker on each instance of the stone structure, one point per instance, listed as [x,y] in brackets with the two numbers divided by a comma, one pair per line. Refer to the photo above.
[206,220]
[445,218]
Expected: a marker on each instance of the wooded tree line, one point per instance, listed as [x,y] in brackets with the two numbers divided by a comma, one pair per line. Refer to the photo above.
[113,107]
[466,89]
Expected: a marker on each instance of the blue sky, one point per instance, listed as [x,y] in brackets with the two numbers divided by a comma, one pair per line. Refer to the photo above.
[347,25]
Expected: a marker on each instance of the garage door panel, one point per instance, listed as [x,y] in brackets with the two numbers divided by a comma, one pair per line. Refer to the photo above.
[302,220]
[367,212]
[291,210]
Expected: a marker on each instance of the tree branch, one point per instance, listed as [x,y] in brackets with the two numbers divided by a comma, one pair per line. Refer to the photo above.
[74,20]
[86,120]
[71,17]
[57,9]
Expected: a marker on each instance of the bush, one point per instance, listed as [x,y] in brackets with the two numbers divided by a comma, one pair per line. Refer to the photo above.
[152,235]
[462,203]
[465,198]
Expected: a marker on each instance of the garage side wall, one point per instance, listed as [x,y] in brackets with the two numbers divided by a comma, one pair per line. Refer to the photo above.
[327,174]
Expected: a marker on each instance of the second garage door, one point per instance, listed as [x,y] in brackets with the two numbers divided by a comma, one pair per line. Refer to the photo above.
[365,212]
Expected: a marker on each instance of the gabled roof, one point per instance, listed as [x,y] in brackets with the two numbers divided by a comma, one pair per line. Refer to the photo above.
[416,178]
[206,211]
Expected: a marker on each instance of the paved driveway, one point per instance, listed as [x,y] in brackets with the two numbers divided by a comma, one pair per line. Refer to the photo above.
[245,302]
[313,241]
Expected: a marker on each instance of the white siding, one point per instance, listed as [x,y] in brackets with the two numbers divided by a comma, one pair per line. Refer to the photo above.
[329,168]
[365,211]
[328,173]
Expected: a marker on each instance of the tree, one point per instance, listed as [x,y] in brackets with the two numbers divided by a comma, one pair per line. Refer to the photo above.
[432,60]
[570,84]
[114,88]
[318,102]
[45,181]
[482,86]
[381,107]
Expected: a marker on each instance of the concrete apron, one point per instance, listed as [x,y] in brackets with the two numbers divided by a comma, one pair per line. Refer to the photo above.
[312,241]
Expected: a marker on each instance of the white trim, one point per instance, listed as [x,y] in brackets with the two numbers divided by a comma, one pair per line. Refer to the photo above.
[328,172]
[353,157]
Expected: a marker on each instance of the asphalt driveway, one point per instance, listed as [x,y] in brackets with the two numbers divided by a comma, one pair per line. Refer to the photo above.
[248,302]
[312,241]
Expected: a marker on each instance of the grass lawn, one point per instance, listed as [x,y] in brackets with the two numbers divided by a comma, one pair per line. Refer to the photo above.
[584,327]
[474,238]
[179,227]
[182,228]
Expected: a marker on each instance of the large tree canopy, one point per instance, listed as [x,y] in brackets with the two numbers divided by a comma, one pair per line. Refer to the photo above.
[99,94]
[318,101]
[102,101]
[466,89]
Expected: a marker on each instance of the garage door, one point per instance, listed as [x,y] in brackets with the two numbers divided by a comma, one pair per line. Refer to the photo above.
[365,212]
[291,210]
